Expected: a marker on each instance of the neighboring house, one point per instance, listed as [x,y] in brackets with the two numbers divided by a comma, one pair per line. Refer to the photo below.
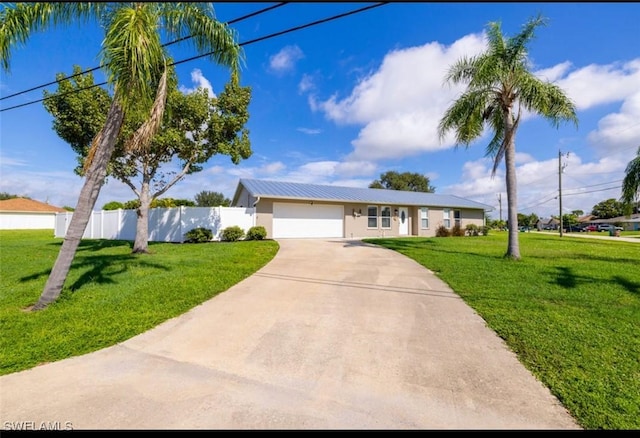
[586,219]
[27,214]
[310,210]
[628,223]
[547,224]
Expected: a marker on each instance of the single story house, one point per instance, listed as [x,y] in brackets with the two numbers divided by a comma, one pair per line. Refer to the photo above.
[629,223]
[27,214]
[547,224]
[296,210]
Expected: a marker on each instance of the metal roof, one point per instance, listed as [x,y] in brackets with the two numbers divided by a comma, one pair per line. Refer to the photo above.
[316,192]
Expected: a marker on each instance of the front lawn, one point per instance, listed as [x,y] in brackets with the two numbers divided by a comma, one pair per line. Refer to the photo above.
[570,310]
[110,294]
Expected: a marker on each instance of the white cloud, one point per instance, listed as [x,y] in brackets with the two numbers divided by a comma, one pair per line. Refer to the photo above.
[399,106]
[285,59]
[310,131]
[554,73]
[402,102]
[583,184]
[599,84]
[619,132]
[306,84]
[57,188]
[198,79]
[8,161]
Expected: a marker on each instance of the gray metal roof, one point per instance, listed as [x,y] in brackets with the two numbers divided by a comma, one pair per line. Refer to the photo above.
[316,192]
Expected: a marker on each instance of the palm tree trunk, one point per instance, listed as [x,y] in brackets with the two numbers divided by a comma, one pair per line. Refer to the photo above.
[141,245]
[88,196]
[513,247]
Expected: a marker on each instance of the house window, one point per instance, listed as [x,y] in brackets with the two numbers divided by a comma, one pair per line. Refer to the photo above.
[372,213]
[446,217]
[424,217]
[457,218]
[385,212]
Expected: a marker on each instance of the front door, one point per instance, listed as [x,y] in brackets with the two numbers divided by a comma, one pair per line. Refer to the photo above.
[403,218]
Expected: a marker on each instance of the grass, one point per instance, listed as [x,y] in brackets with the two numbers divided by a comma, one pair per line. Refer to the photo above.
[110,294]
[570,310]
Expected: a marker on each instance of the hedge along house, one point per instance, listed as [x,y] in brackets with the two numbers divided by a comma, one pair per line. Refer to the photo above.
[295,210]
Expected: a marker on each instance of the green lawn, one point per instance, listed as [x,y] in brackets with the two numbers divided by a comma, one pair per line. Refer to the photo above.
[110,294]
[570,310]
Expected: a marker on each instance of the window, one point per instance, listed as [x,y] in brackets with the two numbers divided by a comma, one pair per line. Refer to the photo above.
[457,217]
[372,213]
[446,218]
[424,217]
[385,212]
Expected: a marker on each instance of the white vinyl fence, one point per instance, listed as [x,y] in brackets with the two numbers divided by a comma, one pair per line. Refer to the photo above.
[165,224]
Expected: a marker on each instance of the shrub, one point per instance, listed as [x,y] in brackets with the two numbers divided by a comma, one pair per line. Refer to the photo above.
[442,231]
[485,230]
[457,230]
[256,233]
[198,235]
[473,230]
[233,233]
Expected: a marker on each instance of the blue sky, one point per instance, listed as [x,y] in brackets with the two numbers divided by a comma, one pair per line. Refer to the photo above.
[344,101]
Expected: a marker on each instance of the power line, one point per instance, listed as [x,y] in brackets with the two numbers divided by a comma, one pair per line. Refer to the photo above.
[324,20]
[235,20]
[593,191]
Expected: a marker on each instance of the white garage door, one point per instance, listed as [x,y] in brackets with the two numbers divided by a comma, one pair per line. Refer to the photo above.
[306,220]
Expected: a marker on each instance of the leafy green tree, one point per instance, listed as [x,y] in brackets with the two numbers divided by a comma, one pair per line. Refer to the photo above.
[135,63]
[608,209]
[212,199]
[577,213]
[523,220]
[113,205]
[569,220]
[6,195]
[631,185]
[194,128]
[499,86]
[406,181]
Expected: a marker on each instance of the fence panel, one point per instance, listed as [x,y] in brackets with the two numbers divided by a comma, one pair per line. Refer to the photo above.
[165,224]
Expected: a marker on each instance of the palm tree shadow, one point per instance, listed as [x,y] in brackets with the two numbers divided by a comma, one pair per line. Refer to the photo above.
[99,244]
[565,277]
[631,286]
[101,269]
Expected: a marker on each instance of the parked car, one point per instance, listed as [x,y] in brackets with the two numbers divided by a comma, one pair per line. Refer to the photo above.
[607,227]
[591,228]
[574,229]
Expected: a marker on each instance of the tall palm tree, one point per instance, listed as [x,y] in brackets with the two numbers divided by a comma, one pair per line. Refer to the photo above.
[135,62]
[499,87]
[631,184]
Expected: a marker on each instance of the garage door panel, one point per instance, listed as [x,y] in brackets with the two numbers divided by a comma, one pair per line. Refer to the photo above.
[305,220]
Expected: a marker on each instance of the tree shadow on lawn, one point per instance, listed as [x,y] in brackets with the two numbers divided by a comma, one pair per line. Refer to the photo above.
[100,269]
[567,279]
[99,244]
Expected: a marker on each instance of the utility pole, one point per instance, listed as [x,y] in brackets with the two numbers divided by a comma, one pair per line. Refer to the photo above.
[560,169]
[500,202]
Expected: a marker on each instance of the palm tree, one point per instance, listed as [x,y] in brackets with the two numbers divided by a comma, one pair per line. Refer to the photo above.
[499,86]
[631,184]
[136,66]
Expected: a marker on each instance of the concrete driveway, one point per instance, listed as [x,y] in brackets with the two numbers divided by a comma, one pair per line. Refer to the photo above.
[332,334]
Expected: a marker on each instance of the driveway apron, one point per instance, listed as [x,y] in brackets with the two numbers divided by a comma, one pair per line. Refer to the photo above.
[331,334]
